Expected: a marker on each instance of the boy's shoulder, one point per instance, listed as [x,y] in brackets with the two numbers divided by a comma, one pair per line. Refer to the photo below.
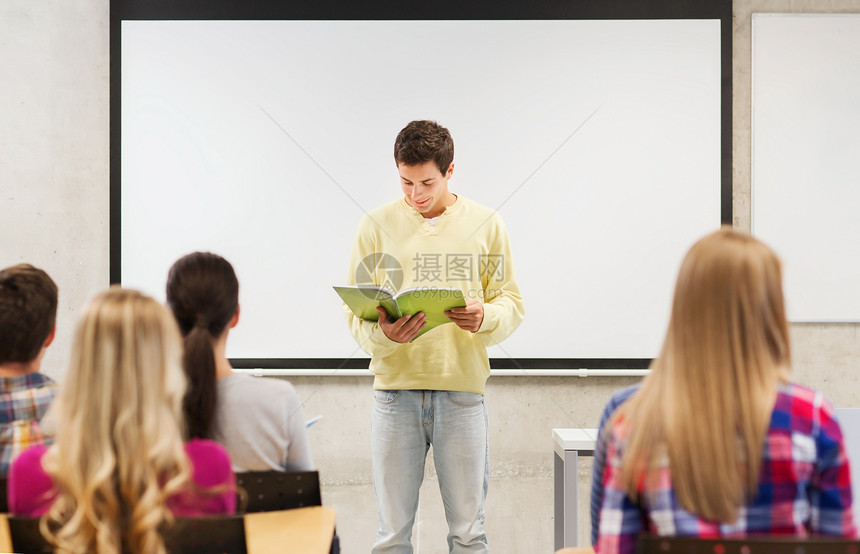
[40,380]
[385,212]
[397,209]
[25,381]
[475,210]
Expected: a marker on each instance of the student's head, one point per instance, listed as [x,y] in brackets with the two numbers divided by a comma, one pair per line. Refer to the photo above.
[424,141]
[28,311]
[203,293]
[424,153]
[119,449]
[708,399]
[125,362]
[728,306]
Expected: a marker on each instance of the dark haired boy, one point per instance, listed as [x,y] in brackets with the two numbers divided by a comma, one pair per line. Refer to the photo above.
[431,391]
[28,312]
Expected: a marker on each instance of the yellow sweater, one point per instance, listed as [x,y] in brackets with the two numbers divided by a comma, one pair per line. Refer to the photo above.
[467,248]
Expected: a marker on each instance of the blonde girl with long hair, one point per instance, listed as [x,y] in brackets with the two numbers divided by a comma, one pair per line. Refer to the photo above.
[717,441]
[119,469]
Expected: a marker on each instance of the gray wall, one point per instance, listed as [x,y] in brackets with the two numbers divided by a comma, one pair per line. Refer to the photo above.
[54,213]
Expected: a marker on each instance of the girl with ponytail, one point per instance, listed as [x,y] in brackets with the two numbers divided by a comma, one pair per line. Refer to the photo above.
[258,420]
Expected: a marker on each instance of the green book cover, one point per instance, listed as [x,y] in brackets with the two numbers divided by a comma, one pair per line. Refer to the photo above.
[433,301]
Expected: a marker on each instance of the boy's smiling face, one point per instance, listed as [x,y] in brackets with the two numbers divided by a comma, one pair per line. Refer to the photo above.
[425,188]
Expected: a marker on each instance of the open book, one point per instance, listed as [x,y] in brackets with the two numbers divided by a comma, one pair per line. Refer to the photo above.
[433,301]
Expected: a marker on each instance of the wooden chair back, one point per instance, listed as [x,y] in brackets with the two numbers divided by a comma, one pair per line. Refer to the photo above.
[298,531]
[749,545]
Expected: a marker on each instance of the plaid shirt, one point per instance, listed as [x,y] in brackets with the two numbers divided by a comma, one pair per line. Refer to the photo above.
[596,500]
[24,399]
[805,484]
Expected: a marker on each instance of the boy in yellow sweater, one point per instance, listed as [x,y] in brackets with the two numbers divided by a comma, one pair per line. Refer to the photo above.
[431,391]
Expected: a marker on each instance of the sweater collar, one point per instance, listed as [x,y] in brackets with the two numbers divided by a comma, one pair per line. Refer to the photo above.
[458,202]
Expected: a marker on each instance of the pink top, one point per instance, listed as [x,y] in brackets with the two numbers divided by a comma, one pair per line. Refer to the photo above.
[31,489]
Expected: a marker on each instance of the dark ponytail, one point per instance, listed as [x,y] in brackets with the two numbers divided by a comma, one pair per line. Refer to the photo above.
[203,293]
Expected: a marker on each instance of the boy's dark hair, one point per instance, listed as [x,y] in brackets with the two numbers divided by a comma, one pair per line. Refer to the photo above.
[424,141]
[203,294]
[28,311]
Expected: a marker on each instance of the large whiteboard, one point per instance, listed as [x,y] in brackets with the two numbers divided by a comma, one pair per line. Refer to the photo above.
[806,158]
[266,141]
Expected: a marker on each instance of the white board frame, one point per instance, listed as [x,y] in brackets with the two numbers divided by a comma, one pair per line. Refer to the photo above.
[663,216]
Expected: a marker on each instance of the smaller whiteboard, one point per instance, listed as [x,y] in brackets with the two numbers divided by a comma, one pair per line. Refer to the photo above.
[806,158]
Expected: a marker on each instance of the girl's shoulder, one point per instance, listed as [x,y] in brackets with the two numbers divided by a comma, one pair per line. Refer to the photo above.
[204,450]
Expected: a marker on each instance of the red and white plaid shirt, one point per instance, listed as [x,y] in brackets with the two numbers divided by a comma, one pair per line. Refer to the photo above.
[24,399]
[804,487]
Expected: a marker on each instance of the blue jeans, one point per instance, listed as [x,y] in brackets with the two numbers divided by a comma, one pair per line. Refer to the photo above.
[403,426]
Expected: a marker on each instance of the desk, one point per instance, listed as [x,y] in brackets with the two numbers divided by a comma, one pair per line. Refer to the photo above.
[569,445]
[297,531]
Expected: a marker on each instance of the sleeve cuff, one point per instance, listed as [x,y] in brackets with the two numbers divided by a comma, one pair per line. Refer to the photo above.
[491,319]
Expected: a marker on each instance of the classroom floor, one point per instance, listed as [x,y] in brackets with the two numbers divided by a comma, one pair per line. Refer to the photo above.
[519,514]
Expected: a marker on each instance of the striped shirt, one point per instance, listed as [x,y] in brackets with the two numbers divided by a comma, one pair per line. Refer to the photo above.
[804,487]
[24,399]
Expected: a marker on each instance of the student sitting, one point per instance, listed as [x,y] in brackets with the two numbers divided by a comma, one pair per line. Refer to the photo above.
[28,312]
[716,442]
[259,421]
[119,469]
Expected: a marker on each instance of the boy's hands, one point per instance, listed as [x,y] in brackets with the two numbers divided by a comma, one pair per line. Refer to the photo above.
[469,317]
[404,329]
[407,327]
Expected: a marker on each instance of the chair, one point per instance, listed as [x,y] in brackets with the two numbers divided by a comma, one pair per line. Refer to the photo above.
[26,537]
[649,544]
[203,535]
[265,491]
[298,531]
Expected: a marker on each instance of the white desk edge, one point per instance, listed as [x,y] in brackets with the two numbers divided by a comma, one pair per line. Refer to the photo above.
[573,439]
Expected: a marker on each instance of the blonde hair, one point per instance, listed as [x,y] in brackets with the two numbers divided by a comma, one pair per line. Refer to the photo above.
[706,404]
[119,451]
